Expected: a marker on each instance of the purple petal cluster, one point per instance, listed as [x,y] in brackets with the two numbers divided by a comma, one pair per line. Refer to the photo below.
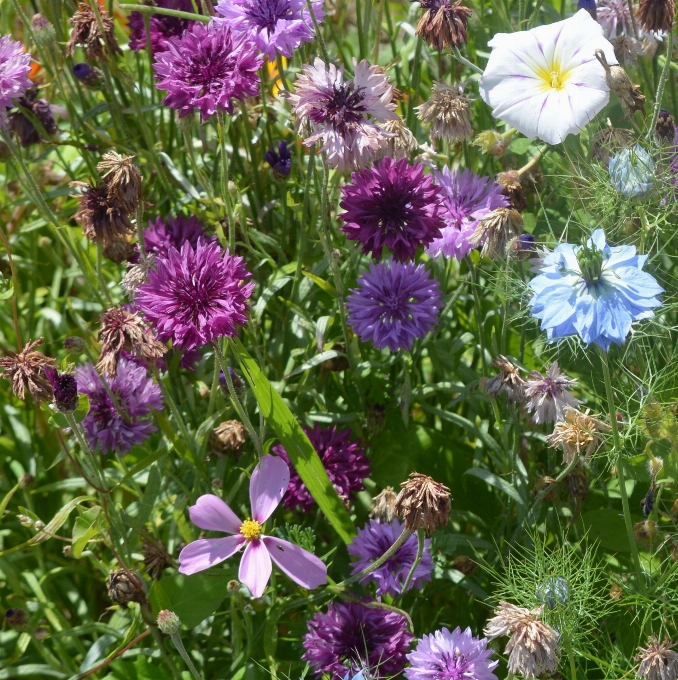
[172,232]
[15,65]
[162,28]
[393,304]
[394,205]
[276,26]
[451,656]
[373,540]
[136,394]
[351,637]
[195,295]
[467,198]
[344,461]
[280,160]
[207,68]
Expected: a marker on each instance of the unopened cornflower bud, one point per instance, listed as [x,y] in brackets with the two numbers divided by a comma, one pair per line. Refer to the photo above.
[423,503]
[124,587]
[64,389]
[383,506]
[632,172]
[493,142]
[168,622]
[665,129]
[90,76]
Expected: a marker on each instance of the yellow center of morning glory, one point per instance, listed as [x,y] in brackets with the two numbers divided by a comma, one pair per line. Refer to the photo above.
[553,77]
[250,529]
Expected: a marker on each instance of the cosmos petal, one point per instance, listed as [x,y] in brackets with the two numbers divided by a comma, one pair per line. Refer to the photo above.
[301,566]
[255,567]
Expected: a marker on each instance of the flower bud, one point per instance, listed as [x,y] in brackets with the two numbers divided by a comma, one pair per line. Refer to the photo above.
[383,505]
[229,437]
[168,622]
[89,76]
[491,141]
[124,587]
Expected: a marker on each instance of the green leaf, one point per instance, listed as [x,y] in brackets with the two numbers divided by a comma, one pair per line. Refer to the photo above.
[501,484]
[59,519]
[328,288]
[8,293]
[317,359]
[300,450]
[267,294]
[608,528]
[85,528]
[520,145]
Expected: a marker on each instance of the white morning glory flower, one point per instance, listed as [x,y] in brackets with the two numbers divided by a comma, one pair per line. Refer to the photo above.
[546,82]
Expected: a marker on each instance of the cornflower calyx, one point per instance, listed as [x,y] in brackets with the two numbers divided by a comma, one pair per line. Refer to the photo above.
[251,529]
[591,263]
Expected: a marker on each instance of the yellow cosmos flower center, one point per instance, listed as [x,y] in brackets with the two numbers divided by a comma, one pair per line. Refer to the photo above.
[250,529]
[553,76]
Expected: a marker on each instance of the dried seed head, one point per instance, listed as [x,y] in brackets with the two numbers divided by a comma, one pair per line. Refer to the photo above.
[121,330]
[495,231]
[507,382]
[656,15]
[629,95]
[102,220]
[609,142]
[577,484]
[229,437]
[26,370]
[137,274]
[448,112]
[443,23]
[86,32]
[124,587]
[383,506]
[665,130]
[423,503]
[579,434]
[402,142]
[156,558]
[123,179]
[533,645]
[658,661]
[627,50]
[513,189]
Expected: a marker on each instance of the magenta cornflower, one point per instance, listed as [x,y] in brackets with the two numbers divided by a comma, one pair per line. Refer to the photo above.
[373,540]
[351,637]
[118,430]
[466,199]
[267,486]
[344,461]
[15,65]
[344,114]
[393,304]
[207,68]
[276,26]
[165,233]
[195,295]
[392,204]
[547,396]
[162,28]
[451,656]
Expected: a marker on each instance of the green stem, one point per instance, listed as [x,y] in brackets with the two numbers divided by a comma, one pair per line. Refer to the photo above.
[281,71]
[225,194]
[573,665]
[319,35]
[188,440]
[458,56]
[176,639]
[146,9]
[417,560]
[415,79]
[662,84]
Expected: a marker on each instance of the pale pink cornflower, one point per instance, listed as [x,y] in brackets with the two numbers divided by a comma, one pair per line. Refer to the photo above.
[547,396]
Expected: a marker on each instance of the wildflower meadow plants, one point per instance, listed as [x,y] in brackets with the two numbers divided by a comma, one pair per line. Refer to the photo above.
[338,339]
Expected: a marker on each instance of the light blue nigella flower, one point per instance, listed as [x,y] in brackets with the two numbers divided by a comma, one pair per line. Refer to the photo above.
[632,172]
[594,291]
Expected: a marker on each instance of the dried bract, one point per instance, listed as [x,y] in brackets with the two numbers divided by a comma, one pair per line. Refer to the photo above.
[579,434]
[156,558]
[507,382]
[383,505]
[443,23]
[102,220]
[123,587]
[495,231]
[448,112]
[656,15]
[423,503]
[86,32]
[26,370]
[123,180]
[229,437]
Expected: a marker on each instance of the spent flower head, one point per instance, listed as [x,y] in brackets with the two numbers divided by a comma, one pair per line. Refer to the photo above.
[658,661]
[548,396]
[423,503]
[26,370]
[448,112]
[579,434]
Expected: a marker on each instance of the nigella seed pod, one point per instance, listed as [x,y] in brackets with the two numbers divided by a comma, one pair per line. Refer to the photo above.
[632,172]
[554,591]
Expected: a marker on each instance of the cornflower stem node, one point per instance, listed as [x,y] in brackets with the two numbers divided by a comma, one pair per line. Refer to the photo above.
[417,561]
[619,464]
[661,85]
[176,639]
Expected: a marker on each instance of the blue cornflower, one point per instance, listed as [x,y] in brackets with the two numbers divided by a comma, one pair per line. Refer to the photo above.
[632,172]
[594,291]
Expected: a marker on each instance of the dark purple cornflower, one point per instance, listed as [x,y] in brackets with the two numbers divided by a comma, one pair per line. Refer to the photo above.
[119,429]
[393,304]
[344,461]
[88,75]
[451,656]
[373,540]
[15,65]
[207,68]
[351,637]
[392,204]
[64,389]
[161,27]
[22,124]
[276,26]
[281,160]
[165,233]
[195,295]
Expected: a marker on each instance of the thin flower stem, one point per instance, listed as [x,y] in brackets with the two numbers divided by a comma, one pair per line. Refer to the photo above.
[619,464]
[174,409]
[176,639]
[459,57]
[15,281]
[534,160]
[573,665]
[146,9]
[225,194]
[662,84]
[477,314]
[141,244]
[319,35]
[281,71]
[415,80]
[100,275]
[417,560]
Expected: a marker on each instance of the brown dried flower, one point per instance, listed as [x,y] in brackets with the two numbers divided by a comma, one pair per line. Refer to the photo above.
[228,437]
[627,50]
[656,15]
[124,330]
[577,484]
[579,434]
[26,370]
[665,130]
[102,220]
[449,113]
[156,557]
[629,95]
[383,506]
[609,142]
[124,587]
[658,661]
[137,274]
[118,251]
[423,503]
[401,144]
[507,382]
[443,23]
[86,32]
[123,179]
[495,231]
[533,645]
[513,189]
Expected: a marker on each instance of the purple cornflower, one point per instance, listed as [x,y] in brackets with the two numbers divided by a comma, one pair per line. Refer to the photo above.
[343,458]
[394,304]
[276,26]
[118,429]
[351,637]
[344,114]
[451,656]
[373,540]
[64,389]
[548,396]
[15,65]
[207,68]
[195,295]
[161,27]
[392,204]
[281,160]
[165,233]
[466,199]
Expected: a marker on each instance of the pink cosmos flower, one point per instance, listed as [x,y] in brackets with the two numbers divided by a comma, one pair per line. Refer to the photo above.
[267,486]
